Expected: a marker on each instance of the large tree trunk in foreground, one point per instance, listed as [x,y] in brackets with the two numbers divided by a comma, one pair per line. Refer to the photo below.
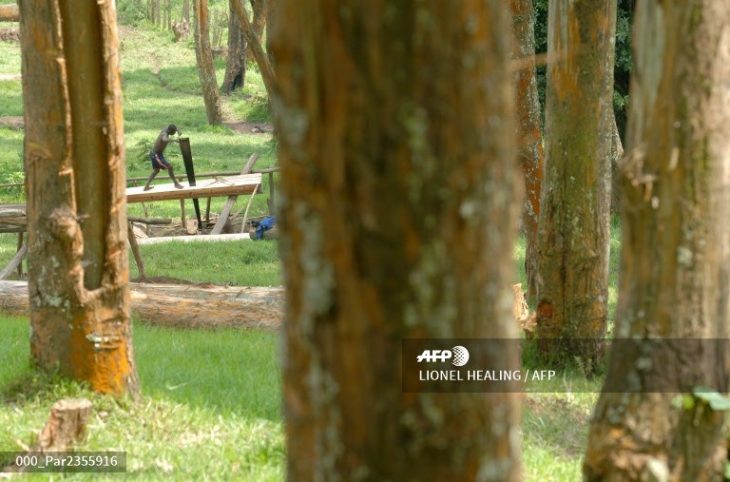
[9,13]
[74,162]
[206,69]
[236,64]
[530,150]
[675,261]
[182,306]
[575,211]
[398,219]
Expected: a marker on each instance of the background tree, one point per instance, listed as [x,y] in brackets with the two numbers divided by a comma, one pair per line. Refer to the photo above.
[530,150]
[258,23]
[675,259]
[186,11]
[204,57]
[236,64]
[398,220]
[257,51]
[74,162]
[575,210]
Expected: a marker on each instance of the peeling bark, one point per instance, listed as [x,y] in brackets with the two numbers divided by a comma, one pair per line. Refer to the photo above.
[204,57]
[74,160]
[575,210]
[236,64]
[398,216]
[530,150]
[675,260]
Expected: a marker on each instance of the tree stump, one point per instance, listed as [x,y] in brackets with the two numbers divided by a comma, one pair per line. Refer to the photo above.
[66,426]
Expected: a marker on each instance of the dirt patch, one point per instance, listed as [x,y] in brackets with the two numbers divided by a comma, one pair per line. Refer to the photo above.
[13,122]
[250,127]
[10,77]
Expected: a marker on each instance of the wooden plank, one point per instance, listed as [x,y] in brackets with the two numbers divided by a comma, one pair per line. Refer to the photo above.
[226,211]
[15,262]
[202,238]
[225,186]
[135,250]
[184,306]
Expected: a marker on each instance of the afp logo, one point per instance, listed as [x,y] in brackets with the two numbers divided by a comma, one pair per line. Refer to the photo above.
[458,355]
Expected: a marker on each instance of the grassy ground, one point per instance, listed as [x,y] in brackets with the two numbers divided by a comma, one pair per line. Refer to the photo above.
[210,409]
[211,399]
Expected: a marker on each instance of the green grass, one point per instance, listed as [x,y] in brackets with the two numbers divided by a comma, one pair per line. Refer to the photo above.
[249,263]
[210,409]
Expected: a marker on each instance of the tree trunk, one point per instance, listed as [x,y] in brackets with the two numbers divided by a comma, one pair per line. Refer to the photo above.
[206,69]
[258,24]
[575,211]
[617,151]
[236,64]
[529,133]
[186,11]
[398,217]
[156,12]
[254,43]
[168,14]
[74,162]
[675,260]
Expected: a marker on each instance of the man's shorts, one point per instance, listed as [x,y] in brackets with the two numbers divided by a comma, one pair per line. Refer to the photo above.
[161,164]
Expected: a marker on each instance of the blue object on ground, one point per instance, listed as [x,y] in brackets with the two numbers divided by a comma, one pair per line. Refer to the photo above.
[267,223]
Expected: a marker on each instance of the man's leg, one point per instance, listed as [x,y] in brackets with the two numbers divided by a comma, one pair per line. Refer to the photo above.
[171,172]
[147,186]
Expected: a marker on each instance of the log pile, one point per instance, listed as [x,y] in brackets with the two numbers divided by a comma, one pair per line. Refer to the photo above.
[12,218]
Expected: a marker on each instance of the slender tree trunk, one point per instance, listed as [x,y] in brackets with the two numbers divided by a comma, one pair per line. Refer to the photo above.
[530,149]
[168,10]
[675,260]
[617,151]
[236,64]
[254,43]
[156,12]
[74,161]
[206,69]
[575,210]
[258,24]
[398,220]
[186,11]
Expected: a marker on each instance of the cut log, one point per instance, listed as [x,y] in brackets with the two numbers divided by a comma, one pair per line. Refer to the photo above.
[226,211]
[183,306]
[200,238]
[9,13]
[12,218]
[66,426]
[154,221]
